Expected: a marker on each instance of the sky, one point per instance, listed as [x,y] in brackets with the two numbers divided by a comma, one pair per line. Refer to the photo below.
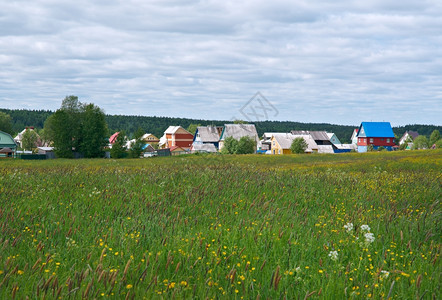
[339,62]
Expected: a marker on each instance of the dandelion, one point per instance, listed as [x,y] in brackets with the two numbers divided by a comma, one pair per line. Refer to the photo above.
[183,283]
[365,228]
[333,255]
[129,286]
[349,227]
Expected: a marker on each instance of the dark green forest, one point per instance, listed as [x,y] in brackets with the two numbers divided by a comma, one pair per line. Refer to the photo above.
[157,125]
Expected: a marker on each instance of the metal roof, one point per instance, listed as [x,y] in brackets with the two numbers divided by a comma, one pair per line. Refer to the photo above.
[237,131]
[204,147]
[375,129]
[208,134]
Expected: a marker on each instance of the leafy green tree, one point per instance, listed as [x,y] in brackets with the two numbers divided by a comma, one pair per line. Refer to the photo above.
[420,142]
[93,131]
[192,128]
[299,145]
[439,144]
[5,122]
[57,128]
[136,148]
[230,146]
[434,137]
[118,149]
[246,145]
[77,127]
[29,140]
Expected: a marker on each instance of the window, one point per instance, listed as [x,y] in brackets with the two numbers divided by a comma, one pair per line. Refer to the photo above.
[371,140]
[388,140]
[382,139]
[365,140]
[279,151]
[359,140]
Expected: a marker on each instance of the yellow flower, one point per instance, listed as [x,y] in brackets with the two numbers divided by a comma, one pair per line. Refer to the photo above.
[116,253]
[129,286]
[183,283]
[171,285]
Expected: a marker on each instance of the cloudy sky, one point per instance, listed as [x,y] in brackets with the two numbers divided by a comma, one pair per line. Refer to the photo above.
[338,62]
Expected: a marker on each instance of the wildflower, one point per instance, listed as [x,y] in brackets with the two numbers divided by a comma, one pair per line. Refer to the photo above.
[129,286]
[365,228]
[171,285]
[183,283]
[384,274]
[333,255]
[298,269]
[369,238]
[349,227]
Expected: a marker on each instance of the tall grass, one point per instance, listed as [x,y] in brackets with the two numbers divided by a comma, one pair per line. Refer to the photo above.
[222,227]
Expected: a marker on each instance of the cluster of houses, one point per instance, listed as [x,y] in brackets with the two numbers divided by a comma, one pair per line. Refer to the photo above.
[210,139]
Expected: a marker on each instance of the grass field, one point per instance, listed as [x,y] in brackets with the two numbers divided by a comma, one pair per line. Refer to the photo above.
[237,227]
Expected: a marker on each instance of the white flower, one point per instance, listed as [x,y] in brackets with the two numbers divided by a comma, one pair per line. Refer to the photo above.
[349,227]
[365,228]
[369,238]
[384,274]
[298,269]
[333,255]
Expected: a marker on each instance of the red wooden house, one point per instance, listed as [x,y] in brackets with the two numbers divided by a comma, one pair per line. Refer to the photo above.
[176,136]
[376,134]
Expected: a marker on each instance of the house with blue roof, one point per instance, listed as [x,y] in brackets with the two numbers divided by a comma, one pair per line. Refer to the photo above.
[377,134]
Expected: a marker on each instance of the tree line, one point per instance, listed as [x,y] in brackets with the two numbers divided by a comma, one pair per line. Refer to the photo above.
[19,119]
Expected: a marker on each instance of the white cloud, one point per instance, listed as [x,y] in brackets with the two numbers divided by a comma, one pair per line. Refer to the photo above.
[317,61]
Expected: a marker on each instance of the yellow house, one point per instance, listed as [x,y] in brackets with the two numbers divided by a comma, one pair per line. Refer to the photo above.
[281,142]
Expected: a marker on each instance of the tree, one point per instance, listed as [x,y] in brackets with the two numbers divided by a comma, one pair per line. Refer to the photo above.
[57,128]
[77,127]
[420,142]
[192,128]
[434,137]
[246,145]
[118,149]
[136,148]
[93,131]
[5,122]
[29,139]
[299,145]
[230,146]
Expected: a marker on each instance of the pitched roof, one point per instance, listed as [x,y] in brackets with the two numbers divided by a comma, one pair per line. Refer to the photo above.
[204,147]
[176,148]
[113,137]
[413,134]
[285,140]
[208,134]
[237,131]
[174,129]
[316,135]
[375,129]
[6,150]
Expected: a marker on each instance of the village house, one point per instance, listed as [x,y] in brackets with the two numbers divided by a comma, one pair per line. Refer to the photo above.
[19,138]
[320,137]
[354,137]
[150,139]
[281,143]
[176,136]
[408,136]
[207,135]
[375,134]
[237,131]
[7,145]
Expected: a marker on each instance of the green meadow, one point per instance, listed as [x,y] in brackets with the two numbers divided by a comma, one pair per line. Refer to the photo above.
[223,227]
